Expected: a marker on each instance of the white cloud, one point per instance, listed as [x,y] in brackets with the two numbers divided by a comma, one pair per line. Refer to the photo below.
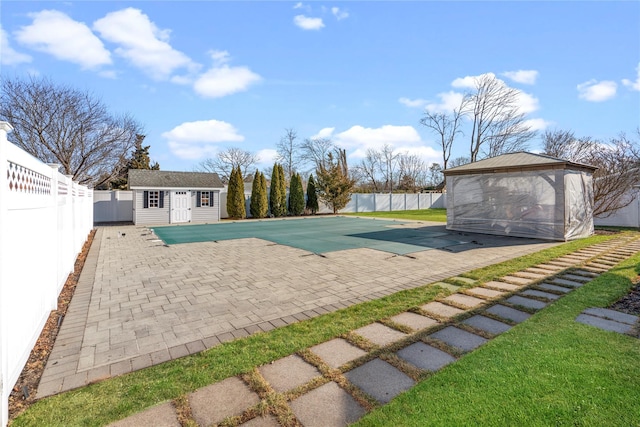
[298,5]
[267,157]
[324,133]
[339,14]
[307,23]
[224,80]
[527,102]
[537,124]
[142,43]
[527,77]
[361,138]
[195,140]
[633,85]
[595,91]
[56,34]
[469,82]
[413,103]
[449,101]
[10,56]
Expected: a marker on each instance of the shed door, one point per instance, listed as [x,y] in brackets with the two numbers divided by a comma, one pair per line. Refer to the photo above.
[180,206]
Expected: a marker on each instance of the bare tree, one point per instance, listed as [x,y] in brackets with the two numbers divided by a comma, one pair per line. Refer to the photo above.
[411,172]
[368,170]
[288,152]
[618,163]
[497,126]
[315,151]
[59,124]
[446,126]
[388,164]
[435,175]
[227,160]
[459,161]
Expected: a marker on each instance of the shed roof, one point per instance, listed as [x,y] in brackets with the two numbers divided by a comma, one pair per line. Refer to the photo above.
[517,162]
[142,178]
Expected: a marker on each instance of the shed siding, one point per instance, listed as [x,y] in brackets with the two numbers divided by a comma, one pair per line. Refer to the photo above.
[142,215]
[205,214]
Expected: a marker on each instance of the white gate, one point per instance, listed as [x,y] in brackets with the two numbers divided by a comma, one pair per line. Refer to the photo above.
[180,206]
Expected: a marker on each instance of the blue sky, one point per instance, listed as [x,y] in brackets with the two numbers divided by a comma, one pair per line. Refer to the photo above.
[202,76]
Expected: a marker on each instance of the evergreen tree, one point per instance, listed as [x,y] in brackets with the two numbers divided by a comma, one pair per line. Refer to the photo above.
[312,196]
[139,160]
[235,195]
[296,196]
[282,191]
[334,185]
[259,206]
[278,192]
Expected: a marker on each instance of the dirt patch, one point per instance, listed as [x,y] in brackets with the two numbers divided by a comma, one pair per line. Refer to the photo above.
[629,303]
[24,392]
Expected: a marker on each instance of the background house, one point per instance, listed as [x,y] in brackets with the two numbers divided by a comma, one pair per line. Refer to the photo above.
[164,197]
[521,194]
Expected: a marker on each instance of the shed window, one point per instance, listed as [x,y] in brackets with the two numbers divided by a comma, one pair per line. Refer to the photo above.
[204,199]
[153,199]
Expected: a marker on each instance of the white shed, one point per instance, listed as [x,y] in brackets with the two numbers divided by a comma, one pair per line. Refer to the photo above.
[165,197]
[521,194]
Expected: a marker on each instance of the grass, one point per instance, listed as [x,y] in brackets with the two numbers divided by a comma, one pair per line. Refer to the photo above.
[549,370]
[116,398]
[435,214]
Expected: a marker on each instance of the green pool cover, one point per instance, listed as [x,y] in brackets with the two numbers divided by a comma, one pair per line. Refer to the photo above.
[317,235]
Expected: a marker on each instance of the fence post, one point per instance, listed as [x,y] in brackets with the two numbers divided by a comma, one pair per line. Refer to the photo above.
[4,369]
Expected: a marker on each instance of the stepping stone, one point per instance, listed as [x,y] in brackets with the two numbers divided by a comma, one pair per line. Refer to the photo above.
[560,263]
[540,294]
[464,280]
[268,421]
[380,334]
[616,316]
[526,302]
[448,286]
[540,271]
[567,260]
[585,273]
[595,269]
[288,373]
[455,337]
[565,282]
[380,380]
[231,396]
[550,267]
[326,406]
[161,416]
[485,292]
[530,275]
[487,324]
[464,300]
[551,287]
[509,313]
[425,357]
[414,321]
[501,285]
[604,267]
[441,310]
[337,352]
[606,262]
[607,325]
[576,278]
[517,280]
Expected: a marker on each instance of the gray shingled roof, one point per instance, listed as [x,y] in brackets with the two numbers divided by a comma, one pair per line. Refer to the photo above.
[142,178]
[516,161]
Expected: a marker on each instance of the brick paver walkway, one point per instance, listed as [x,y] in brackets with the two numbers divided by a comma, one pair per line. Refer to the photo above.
[140,303]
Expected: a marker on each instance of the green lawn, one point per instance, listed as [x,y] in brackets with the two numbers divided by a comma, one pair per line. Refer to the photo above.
[435,214]
[546,370]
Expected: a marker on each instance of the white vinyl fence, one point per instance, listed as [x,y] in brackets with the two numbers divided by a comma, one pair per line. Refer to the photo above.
[112,206]
[45,218]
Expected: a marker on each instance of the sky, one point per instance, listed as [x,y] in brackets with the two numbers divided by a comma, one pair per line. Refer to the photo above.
[204,76]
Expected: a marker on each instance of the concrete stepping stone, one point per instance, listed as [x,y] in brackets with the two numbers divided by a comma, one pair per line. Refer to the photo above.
[595,269]
[327,406]
[576,278]
[606,324]
[550,287]
[448,286]
[441,310]
[337,352]
[542,271]
[268,421]
[380,380]
[487,324]
[231,396]
[380,334]
[414,321]
[540,294]
[464,280]
[485,292]
[288,373]
[565,282]
[502,286]
[457,338]
[526,302]
[567,260]
[159,416]
[464,300]
[550,267]
[606,262]
[616,316]
[508,313]
[560,263]
[530,275]
[585,273]
[425,357]
[601,265]
[517,280]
